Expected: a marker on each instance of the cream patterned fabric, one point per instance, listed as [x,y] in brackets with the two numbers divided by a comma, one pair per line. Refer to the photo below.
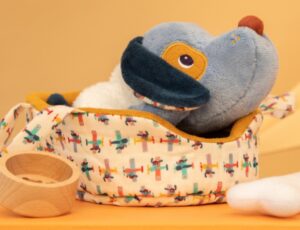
[135,161]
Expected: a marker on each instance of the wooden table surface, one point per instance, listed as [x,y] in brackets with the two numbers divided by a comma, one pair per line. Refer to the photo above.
[91,216]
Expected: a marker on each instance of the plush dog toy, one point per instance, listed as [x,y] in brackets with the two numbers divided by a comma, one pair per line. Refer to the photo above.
[196,81]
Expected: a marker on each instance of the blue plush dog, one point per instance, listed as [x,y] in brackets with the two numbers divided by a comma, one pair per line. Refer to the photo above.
[198,82]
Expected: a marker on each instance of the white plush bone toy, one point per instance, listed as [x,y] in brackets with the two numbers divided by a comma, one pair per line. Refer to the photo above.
[276,196]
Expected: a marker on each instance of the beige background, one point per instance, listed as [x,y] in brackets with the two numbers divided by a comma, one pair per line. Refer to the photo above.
[59,45]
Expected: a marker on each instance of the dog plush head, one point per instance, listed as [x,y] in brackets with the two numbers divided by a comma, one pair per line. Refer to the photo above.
[182,65]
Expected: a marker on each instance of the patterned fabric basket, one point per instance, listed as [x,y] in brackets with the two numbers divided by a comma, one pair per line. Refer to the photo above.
[134,158]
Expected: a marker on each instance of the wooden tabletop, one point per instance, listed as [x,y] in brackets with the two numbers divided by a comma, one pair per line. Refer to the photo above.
[91,216]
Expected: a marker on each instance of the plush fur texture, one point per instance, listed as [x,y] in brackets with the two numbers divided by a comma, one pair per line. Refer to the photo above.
[238,77]
[276,196]
[241,70]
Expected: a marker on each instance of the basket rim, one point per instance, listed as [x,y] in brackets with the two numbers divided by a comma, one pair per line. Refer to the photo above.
[38,101]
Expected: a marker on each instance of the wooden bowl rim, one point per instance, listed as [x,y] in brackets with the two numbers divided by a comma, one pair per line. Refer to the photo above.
[70,180]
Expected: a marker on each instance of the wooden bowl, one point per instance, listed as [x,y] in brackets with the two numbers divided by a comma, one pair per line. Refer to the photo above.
[37,184]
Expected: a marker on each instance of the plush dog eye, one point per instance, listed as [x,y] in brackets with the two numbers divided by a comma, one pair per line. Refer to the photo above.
[185,61]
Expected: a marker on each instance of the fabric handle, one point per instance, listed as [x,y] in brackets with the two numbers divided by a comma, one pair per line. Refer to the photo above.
[7,124]
[278,106]
[38,126]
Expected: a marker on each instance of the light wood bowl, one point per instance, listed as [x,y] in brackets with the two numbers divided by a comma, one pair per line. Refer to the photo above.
[37,184]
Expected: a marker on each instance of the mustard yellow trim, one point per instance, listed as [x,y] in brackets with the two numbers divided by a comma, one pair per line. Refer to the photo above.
[38,100]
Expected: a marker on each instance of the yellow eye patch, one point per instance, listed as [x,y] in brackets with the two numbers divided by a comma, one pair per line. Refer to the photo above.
[186,59]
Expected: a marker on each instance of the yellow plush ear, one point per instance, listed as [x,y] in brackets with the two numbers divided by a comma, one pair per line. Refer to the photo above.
[186,59]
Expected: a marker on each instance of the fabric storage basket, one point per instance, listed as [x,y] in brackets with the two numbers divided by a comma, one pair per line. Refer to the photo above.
[135,158]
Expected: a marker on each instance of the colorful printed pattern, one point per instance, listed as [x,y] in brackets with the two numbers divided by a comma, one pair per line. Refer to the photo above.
[7,125]
[278,106]
[134,161]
